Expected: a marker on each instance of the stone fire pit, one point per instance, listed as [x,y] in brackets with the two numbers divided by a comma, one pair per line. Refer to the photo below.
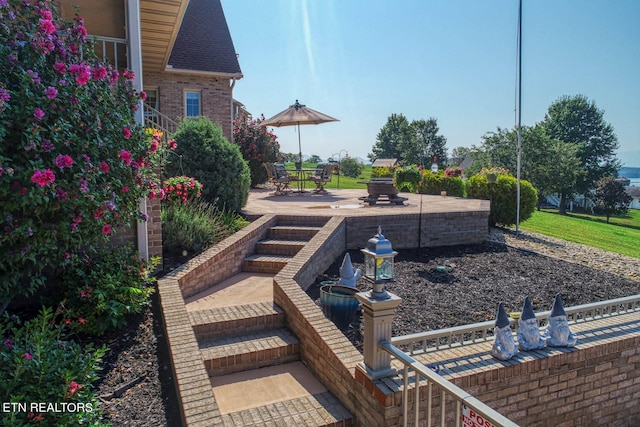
[382,187]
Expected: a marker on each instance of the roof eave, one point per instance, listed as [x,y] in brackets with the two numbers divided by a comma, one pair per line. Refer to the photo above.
[170,69]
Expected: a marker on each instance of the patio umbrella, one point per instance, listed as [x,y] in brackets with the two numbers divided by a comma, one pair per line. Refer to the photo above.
[296,115]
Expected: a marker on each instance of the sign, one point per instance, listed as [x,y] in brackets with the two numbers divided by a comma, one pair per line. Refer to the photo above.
[472,419]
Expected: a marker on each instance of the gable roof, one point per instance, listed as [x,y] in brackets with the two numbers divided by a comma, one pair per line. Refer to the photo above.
[204,43]
[633,191]
[382,163]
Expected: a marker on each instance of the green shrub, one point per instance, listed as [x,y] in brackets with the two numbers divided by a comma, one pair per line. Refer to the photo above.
[100,289]
[257,145]
[351,167]
[408,177]
[195,226]
[382,172]
[504,196]
[38,365]
[435,183]
[205,154]
[73,162]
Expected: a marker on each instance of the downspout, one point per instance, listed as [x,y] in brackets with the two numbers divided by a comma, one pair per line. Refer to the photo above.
[233,84]
[135,64]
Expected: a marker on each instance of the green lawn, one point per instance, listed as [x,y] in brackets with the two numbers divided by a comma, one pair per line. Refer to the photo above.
[621,235]
[346,183]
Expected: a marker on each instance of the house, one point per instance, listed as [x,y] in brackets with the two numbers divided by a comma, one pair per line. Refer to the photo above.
[634,192]
[182,55]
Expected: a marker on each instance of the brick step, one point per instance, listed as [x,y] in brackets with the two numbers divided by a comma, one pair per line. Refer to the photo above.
[271,264]
[317,410]
[308,221]
[292,232]
[226,355]
[239,319]
[279,247]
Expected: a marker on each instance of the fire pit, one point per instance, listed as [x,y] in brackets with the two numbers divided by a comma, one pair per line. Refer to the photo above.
[382,187]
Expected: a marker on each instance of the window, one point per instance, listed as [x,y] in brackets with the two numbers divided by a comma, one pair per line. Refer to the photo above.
[192,103]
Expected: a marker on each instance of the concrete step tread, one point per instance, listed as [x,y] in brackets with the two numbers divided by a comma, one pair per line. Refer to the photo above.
[297,227]
[268,258]
[250,342]
[296,242]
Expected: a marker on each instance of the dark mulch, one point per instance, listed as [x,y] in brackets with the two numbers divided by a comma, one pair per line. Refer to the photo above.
[480,277]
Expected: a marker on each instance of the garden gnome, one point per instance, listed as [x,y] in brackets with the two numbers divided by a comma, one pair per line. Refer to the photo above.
[558,333]
[529,337]
[348,276]
[504,345]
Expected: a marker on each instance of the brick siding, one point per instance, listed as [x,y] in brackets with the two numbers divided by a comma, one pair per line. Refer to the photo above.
[215,96]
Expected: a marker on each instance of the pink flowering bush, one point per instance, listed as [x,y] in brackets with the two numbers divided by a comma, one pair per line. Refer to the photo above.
[73,161]
[452,172]
[181,189]
[39,365]
[257,146]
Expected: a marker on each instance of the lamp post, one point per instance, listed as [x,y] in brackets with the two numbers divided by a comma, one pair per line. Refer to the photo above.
[339,154]
[378,307]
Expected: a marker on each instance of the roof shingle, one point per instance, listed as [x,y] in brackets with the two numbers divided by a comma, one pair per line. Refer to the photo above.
[204,42]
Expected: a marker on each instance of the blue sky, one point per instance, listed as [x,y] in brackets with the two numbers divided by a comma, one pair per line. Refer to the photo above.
[362,60]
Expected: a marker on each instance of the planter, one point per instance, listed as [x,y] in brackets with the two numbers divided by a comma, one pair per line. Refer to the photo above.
[339,303]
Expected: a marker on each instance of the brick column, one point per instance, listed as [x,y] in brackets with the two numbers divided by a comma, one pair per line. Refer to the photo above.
[378,318]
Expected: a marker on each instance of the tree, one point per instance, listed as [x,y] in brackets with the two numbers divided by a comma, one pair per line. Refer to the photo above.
[576,120]
[611,197]
[563,171]
[314,159]
[394,133]
[257,145]
[424,145]
[458,155]
[351,167]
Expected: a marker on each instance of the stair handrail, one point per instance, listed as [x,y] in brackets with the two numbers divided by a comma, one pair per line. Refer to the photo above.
[157,120]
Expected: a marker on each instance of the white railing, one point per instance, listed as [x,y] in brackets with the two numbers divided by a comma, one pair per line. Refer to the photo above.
[450,395]
[111,50]
[425,342]
[155,119]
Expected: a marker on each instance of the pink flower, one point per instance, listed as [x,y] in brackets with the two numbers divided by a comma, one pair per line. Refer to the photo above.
[99,73]
[51,92]
[27,356]
[128,74]
[47,27]
[60,67]
[143,95]
[44,177]
[106,229]
[82,320]
[64,161]
[38,113]
[154,146]
[127,132]
[125,189]
[8,343]
[104,167]
[4,95]
[125,156]
[98,214]
[172,144]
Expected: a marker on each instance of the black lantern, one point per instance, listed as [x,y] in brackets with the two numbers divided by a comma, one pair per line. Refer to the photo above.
[378,264]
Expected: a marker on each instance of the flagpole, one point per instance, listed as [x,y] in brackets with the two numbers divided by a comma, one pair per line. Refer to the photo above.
[519,124]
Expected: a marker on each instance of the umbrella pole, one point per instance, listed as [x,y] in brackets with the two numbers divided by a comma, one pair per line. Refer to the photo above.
[299,146]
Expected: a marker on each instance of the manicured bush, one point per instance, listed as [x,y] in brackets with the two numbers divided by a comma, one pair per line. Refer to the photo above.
[73,162]
[39,365]
[503,195]
[257,146]
[382,172]
[408,178]
[181,189]
[205,154]
[351,167]
[435,183]
[194,226]
[100,289]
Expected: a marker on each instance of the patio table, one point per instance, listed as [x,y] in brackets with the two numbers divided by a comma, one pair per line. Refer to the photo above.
[302,178]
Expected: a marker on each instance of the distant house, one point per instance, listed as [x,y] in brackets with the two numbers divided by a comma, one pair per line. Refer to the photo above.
[624,181]
[634,191]
[182,55]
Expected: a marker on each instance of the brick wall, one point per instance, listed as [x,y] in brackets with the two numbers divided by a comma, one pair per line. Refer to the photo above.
[128,235]
[215,96]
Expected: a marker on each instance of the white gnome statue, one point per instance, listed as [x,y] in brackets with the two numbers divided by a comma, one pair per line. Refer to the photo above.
[348,276]
[529,337]
[504,345]
[558,333]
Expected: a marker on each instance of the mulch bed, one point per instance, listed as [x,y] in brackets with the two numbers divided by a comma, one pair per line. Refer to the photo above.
[480,277]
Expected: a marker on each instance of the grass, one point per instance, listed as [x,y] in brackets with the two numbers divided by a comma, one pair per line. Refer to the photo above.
[346,183]
[621,235]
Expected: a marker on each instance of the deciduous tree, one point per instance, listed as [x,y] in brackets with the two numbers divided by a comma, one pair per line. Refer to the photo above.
[394,133]
[611,198]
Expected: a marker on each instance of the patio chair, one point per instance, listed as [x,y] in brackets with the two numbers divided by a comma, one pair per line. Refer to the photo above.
[322,175]
[279,177]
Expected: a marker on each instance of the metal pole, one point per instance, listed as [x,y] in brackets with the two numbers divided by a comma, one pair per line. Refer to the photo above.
[519,115]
